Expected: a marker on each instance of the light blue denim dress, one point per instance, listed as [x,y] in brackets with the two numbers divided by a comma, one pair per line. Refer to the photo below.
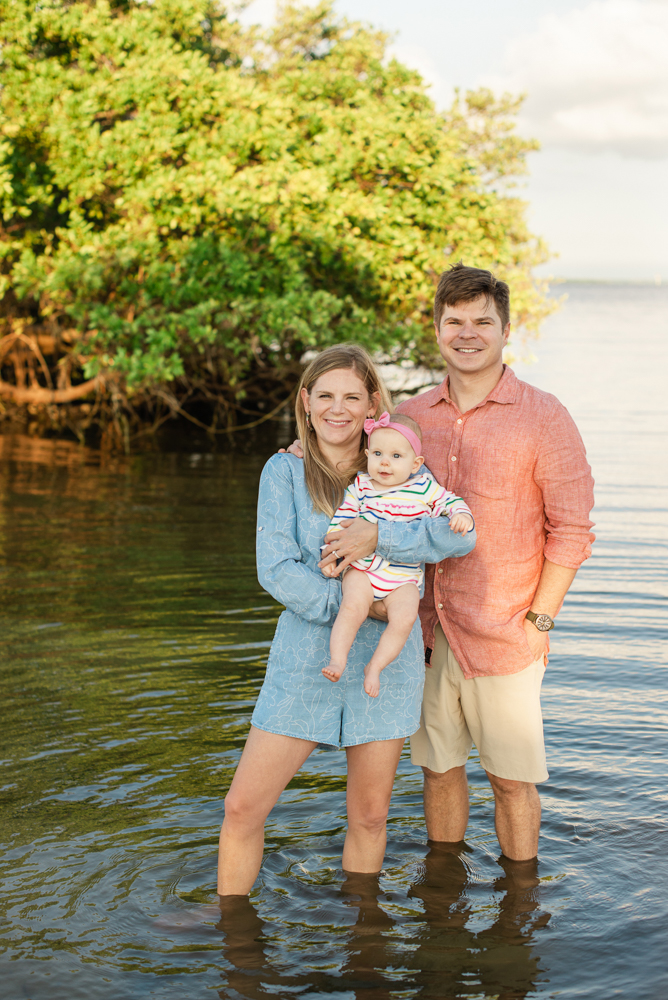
[296,700]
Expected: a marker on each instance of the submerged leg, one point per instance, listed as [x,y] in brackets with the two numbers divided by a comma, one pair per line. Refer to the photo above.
[267,764]
[371,771]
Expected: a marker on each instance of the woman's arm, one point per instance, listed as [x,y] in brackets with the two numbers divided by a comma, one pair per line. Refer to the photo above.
[424,540]
[280,567]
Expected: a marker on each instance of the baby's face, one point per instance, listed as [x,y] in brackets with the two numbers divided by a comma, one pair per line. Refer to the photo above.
[391,460]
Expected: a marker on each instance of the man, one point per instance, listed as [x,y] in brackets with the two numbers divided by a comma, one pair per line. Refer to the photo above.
[515,455]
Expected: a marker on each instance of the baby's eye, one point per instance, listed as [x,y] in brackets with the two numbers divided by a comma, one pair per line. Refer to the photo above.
[396,455]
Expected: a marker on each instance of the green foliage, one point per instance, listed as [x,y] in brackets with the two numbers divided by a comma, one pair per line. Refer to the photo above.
[190,204]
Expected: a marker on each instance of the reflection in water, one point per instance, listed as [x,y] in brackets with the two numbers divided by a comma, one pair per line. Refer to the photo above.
[453,960]
[243,949]
[447,958]
[134,641]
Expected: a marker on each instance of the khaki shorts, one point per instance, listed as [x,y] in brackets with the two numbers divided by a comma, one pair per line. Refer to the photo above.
[500,714]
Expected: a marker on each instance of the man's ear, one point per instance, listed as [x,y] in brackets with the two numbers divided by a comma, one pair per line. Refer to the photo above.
[506,334]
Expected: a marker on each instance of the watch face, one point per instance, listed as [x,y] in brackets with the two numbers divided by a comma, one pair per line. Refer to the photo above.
[544,623]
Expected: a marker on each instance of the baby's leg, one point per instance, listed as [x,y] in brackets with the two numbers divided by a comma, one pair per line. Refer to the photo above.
[402,610]
[355,603]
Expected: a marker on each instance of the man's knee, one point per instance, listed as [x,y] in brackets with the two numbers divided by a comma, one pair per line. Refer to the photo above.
[444,778]
[508,788]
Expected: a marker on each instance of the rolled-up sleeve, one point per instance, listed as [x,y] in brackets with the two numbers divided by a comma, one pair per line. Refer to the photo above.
[564,477]
[423,540]
[281,569]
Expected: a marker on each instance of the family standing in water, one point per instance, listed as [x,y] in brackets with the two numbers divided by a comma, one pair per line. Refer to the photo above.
[346,524]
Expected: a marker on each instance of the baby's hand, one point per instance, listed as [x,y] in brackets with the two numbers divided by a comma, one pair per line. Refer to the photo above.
[461,523]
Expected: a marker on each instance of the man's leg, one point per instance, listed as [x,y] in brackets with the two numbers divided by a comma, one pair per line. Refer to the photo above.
[446,804]
[441,746]
[517,817]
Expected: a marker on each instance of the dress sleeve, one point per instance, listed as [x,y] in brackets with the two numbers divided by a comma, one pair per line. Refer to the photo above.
[422,540]
[281,569]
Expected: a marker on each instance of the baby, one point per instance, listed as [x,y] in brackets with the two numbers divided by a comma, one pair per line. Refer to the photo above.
[390,490]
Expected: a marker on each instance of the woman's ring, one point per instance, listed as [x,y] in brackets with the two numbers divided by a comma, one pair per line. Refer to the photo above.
[335,553]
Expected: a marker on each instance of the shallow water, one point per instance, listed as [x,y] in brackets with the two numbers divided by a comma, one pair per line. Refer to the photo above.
[135,637]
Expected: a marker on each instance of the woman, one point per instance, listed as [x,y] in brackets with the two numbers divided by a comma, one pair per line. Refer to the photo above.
[298,708]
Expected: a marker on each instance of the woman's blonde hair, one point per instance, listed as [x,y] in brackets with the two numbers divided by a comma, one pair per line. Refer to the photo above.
[327,485]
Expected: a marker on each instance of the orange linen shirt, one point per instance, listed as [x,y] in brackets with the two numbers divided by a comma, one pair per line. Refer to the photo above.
[519,462]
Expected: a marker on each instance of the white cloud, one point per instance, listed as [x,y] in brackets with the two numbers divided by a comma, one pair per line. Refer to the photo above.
[597,77]
[417,57]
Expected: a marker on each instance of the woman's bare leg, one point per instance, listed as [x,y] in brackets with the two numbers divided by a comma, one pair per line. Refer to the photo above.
[402,610]
[267,764]
[355,603]
[371,771]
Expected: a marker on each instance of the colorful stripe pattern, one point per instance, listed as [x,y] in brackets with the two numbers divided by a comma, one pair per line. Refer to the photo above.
[421,496]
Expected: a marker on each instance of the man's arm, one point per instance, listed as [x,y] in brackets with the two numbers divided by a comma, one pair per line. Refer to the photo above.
[550,593]
[564,476]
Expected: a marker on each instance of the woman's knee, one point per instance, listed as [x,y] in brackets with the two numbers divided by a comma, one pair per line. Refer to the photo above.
[240,810]
[371,820]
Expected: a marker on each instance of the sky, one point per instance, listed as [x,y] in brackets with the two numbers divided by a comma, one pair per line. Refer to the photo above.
[596,77]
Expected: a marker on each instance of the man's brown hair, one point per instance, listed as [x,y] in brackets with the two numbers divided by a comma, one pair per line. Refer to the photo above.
[465,284]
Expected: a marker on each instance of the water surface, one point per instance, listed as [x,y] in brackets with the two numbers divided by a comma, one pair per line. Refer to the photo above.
[135,636]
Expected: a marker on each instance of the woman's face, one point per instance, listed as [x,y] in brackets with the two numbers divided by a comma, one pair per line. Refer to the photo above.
[338,405]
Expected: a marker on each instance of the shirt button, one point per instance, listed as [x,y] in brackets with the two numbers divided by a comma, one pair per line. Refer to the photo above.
[440,571]
[454,458]
[459,421]
[440,605]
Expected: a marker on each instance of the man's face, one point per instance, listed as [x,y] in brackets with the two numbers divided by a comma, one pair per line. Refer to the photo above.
[470,336]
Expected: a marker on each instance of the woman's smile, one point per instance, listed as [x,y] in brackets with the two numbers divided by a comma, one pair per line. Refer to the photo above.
[337,407]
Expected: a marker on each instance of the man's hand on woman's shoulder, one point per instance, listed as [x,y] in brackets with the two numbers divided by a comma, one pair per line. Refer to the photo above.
[294,449]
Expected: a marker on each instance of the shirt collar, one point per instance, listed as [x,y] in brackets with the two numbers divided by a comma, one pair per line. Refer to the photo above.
[505,390]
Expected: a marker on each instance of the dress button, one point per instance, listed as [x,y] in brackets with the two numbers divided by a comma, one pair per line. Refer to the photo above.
[260,528]
[440,605]
[454,458]
[440,571]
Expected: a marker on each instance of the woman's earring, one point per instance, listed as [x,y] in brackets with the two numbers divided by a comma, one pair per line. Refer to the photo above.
[308,421]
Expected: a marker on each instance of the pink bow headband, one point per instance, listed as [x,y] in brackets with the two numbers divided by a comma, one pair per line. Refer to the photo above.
[385,420]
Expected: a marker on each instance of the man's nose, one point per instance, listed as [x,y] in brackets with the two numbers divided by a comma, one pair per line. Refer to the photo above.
[467,330]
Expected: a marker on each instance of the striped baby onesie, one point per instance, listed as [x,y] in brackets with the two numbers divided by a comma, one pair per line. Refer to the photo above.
[421,496]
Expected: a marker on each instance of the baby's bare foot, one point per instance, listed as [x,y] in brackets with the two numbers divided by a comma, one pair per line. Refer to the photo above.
[371,681]
[333,671]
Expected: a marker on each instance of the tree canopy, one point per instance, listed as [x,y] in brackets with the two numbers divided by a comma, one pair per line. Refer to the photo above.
[188,205]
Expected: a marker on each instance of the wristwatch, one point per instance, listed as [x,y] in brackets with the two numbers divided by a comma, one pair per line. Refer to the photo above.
[542,622]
